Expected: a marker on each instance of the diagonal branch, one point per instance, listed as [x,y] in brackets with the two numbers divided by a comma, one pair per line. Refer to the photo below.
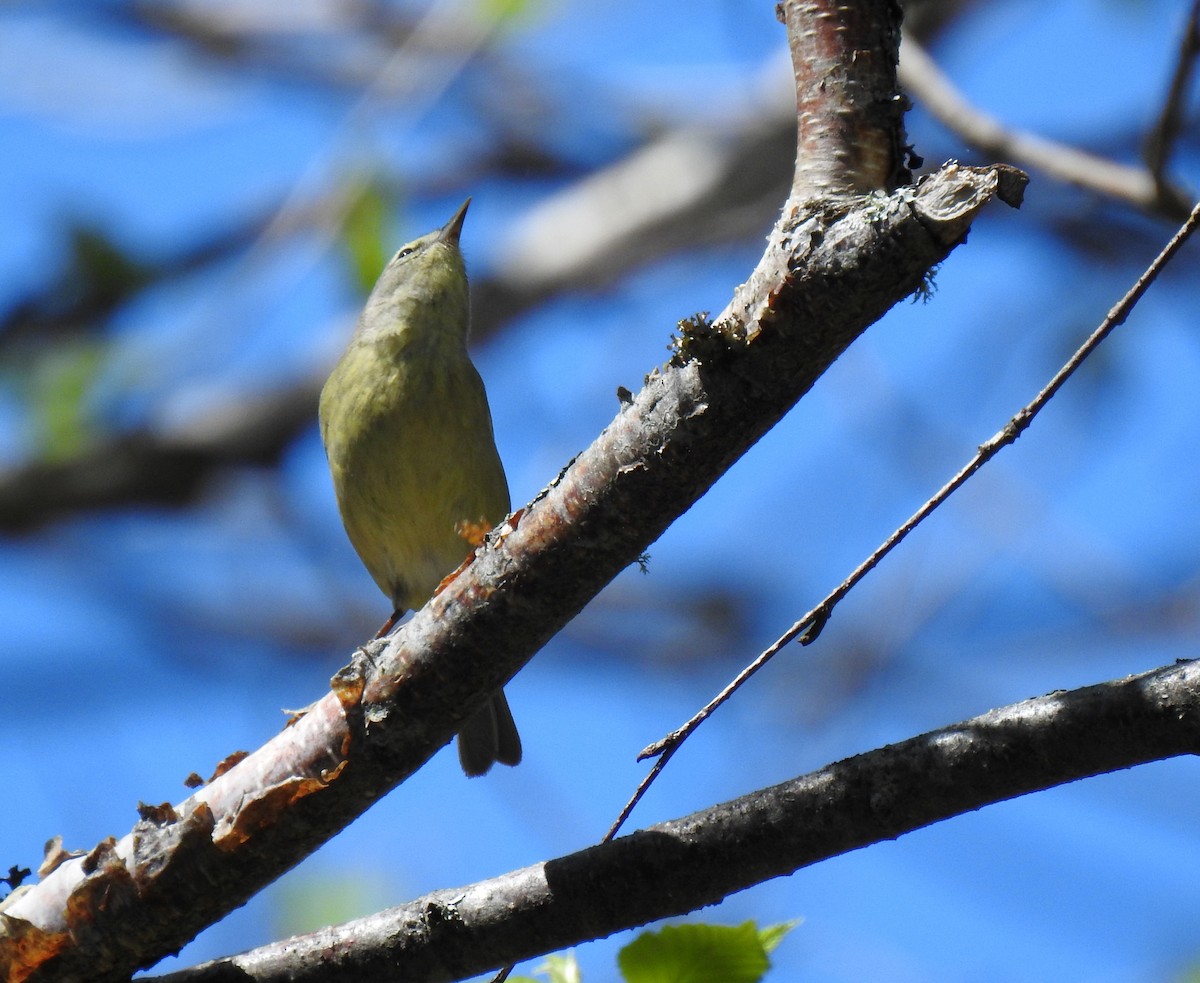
[825,277]
[833,266]
[1136,186]
[1161,143]
[682,865]
[810,626]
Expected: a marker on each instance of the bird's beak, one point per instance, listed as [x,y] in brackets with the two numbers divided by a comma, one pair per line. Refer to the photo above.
[452,229]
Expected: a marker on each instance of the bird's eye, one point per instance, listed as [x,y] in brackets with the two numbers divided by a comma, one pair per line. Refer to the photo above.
[406,251]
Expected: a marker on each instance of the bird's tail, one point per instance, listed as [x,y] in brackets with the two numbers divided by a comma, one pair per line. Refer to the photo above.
[489,736]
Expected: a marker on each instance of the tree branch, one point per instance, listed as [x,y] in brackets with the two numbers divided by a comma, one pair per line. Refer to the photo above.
[1136,186]
[849,111]
[682,865]
[825,277]
[1161,143]
[810,626]
[832,267]
[159,467]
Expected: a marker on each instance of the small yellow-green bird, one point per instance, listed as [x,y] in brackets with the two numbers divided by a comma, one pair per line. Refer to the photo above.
[407,430]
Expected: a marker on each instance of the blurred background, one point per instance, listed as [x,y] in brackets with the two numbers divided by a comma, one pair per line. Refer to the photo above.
[196,197]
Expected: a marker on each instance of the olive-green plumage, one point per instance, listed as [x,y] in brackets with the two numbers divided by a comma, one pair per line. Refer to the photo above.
[408,433]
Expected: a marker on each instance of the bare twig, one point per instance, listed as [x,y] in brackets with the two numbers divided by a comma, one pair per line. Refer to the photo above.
[849,131]
[1136,186]
[1161,142]
[809,627]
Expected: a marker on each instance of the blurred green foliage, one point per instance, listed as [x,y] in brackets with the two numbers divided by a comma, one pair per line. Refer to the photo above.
[689,953]
[365,231]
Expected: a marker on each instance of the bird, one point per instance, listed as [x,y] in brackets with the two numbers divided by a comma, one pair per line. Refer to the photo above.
[408,434]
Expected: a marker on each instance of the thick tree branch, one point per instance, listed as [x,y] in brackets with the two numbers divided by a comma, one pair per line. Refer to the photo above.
[810,626]
[849,111]
[833,266]
[825,277]
[682,865]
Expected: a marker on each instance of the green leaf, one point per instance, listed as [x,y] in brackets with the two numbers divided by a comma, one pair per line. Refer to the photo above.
[310,899]
[365,232]
[558,969]
[101,269]
[562,969]
[58,389]
[700,954]
[506,11]
[772,935]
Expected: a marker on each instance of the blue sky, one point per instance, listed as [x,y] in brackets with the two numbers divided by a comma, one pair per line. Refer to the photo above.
[144,643]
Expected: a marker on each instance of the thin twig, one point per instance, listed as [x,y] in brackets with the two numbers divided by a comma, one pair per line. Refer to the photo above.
[1161,142]
[666,754]
[1137,186]
[809,627]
